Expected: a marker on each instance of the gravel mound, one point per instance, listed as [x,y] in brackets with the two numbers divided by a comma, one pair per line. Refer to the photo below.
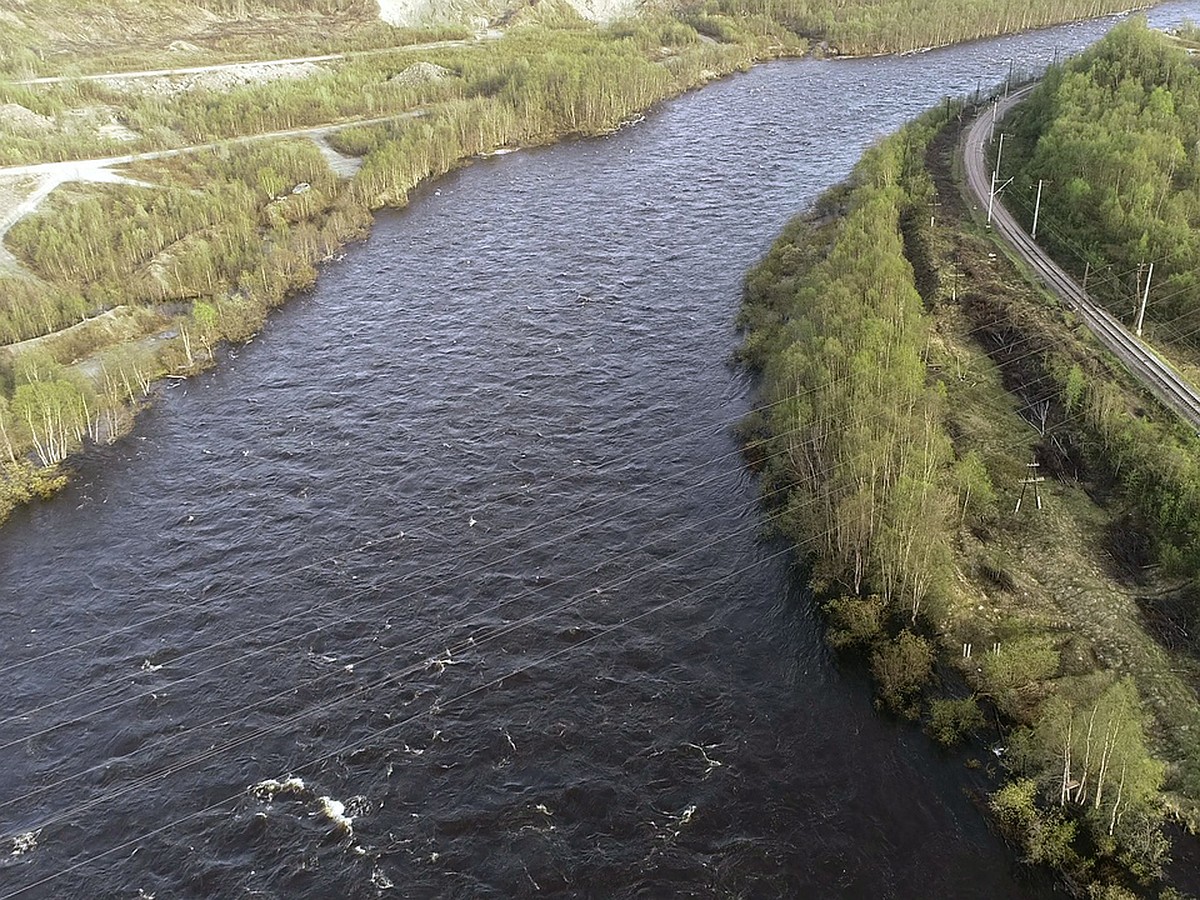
[420,73]
[19,118]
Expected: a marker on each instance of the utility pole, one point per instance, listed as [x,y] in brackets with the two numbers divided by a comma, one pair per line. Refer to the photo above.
[954,284]
[1037,208]
[1145,297]
[995,175]
[1008,82]
[995,112]
[1034,479]
[1087,270]
[978,88]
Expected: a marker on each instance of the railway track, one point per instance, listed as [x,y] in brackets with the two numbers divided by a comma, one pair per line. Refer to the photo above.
[1158,376]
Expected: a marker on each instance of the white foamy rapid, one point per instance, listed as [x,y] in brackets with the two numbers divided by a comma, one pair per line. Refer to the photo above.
[25,843]
[335,811]
[266,790]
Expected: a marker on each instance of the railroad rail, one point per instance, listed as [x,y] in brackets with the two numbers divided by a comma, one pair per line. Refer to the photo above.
[1158,376]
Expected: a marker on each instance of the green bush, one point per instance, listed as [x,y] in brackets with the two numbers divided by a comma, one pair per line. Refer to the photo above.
[901,668]
[1014,676]
[1047,836]
[952,720]
[855,622]
[21,481]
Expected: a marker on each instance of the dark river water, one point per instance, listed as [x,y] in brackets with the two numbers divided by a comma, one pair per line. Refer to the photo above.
[453,583]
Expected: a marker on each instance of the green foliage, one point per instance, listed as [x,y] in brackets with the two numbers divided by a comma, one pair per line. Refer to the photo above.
[1142,847]
[855,622]
[901,668]
[950,721]
[21,482]
[1108,891]
[1014,677]
[195,236]
[1015,804]
[974,486]
[1047,835]
[1074,388]
[887,26]
[1086,759]
[1115,134]
[852,431]
[29,309]
[51,409]
[1158,467]
[1092,745]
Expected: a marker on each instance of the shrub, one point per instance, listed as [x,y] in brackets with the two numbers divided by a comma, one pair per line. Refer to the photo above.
[952,720]
[1013,676]
[855,622]
[1047,836]
[901,668]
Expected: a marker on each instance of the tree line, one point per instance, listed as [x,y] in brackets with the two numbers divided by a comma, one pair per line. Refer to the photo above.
[849,425]
[1114,135]
[891,26]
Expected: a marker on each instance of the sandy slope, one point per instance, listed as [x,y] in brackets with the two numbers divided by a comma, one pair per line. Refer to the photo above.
[417,12]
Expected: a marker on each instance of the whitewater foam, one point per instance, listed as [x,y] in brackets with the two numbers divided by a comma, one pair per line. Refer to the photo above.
[25,843]
[266,790]
[335,811]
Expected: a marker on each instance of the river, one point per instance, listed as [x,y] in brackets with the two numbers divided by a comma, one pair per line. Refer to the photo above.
[453,583]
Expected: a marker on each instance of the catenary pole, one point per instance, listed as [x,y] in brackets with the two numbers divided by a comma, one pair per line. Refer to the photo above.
[1037,208]
[1145,297]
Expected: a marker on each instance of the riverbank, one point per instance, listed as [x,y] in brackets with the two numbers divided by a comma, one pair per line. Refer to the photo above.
[961,545]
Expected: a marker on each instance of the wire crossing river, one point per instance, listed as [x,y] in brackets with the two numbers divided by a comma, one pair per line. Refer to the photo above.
[453,583]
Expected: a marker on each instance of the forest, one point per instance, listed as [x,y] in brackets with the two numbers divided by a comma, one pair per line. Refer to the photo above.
[891,471]
[1114,136]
